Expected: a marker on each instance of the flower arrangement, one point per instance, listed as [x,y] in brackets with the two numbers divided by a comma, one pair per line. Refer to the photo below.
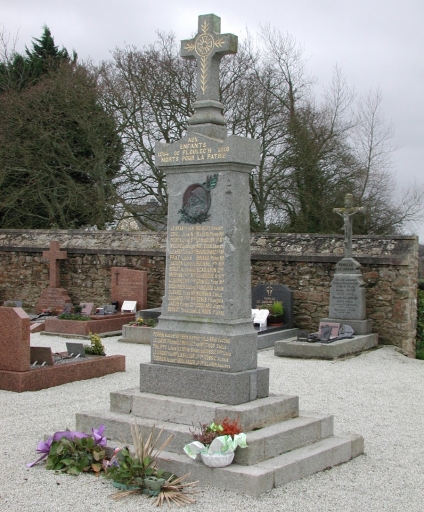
[149,322]
[216,442]
[73,452]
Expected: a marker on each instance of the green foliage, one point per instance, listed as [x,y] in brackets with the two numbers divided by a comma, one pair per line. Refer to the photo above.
[77,309]
[132,470]
[73,316]
[76,456]
[420,325]
[276,308]
[96,347]
[59,150]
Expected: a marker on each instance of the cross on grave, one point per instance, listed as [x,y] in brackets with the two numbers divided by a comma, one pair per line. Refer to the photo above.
[347,213]
[208,47]
[54,255]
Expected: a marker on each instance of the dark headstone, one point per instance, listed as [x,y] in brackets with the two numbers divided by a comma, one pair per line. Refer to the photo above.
[68,308]
[41,355]
[75,348]
[266,294]
[302,335]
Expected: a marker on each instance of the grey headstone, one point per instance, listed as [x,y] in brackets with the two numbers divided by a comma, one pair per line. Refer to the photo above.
[75,349]
[266,294]
[67,308]
[13,303]
[110,309]
[347,292]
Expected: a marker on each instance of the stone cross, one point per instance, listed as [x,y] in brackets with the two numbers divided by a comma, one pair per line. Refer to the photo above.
[208,47]
[54,255]
[347,213]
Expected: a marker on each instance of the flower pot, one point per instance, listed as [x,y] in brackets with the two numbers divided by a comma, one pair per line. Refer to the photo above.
[275,321]
[217,460]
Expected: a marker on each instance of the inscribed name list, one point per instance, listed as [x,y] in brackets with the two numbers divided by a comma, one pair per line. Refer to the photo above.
[191,349]
[196,270]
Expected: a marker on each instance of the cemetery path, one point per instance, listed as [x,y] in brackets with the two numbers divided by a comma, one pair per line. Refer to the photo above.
[377,394]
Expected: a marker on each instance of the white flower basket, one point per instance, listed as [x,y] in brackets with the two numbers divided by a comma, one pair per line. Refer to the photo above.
[217,460]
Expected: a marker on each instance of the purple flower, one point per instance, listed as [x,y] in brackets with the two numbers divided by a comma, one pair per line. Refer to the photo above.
[43,447]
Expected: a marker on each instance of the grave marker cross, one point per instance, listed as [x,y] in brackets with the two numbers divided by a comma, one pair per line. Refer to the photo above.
[54,255]
[208,47]
[347,213]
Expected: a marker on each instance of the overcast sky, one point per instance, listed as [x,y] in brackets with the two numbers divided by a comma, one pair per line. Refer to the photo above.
[376,44]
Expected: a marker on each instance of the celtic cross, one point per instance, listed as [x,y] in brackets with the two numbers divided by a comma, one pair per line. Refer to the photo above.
[208,47]
[347,213]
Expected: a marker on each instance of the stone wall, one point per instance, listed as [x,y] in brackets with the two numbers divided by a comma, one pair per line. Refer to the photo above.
[305,263]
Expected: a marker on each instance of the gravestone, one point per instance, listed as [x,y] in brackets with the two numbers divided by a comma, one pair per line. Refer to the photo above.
[204,349]
[266,294]
[86,308]
[14,340]
[128,284]
[53,297]
[347,292]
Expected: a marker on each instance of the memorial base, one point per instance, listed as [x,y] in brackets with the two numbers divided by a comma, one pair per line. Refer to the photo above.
[283,443]
[334,350]
[198,384]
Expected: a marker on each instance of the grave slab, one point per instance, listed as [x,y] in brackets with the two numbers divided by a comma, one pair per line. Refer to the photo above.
[96,324]
[334,350]
[16,373]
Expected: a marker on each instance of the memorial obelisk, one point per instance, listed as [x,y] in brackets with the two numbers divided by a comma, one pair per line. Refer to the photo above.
[205,346]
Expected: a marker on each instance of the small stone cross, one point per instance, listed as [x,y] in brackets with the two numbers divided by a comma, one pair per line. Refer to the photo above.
[347,213]
[208,47]
[54,255]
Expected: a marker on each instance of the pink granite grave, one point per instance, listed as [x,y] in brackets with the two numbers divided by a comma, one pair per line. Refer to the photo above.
[128,284]
[96,325]
[16,373]
[53,297]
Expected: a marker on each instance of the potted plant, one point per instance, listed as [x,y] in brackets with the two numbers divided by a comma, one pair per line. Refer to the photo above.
[275,316]
[216,442]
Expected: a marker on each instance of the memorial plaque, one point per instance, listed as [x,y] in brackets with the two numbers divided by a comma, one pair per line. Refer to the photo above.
[41,355]
[128,284]
[87,308]
[263,295]
[128,306]
[334,329]
[196,270]
[75,349]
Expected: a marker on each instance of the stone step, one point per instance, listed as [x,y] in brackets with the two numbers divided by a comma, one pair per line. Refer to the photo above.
[284,437]
[263,444]
[266,340]
[252,415]
[262,477]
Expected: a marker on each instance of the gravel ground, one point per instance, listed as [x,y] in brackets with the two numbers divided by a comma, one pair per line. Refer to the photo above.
[378,394]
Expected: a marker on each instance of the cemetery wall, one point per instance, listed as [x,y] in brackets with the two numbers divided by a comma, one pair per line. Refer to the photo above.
[305,263]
